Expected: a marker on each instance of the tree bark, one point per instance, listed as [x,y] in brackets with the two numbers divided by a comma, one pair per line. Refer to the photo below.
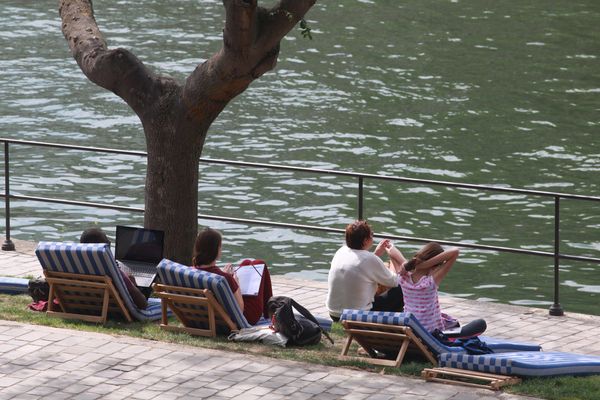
[171,201]
[175,117]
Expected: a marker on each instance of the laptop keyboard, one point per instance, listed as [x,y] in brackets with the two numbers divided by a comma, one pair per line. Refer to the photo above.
[140,269]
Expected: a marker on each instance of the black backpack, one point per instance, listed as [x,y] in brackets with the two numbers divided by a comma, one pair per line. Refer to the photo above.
[301,330]
[38,289]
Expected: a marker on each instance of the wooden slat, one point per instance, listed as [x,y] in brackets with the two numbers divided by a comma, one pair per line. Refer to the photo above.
[164,289]
[83,284]
[92,297]
[417,343]
[82,317]
[376,326]
[455,376]
[373,361]
[487,375]
[375,334]
[116,297]
[84,307]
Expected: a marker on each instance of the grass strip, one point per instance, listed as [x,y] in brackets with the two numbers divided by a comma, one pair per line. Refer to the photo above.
[14,308]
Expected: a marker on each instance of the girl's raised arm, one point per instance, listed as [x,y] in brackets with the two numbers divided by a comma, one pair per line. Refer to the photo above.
[396,257]
[445,261]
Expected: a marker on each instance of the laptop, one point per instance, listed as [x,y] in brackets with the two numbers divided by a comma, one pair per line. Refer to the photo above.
[138,252]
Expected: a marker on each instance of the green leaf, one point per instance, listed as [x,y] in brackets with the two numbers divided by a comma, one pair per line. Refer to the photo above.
[305,29]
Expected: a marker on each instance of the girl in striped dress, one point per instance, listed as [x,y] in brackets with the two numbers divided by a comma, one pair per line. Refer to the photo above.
[425,272]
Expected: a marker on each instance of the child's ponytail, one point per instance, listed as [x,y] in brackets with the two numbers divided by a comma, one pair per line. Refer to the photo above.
[411,264]
[428,251]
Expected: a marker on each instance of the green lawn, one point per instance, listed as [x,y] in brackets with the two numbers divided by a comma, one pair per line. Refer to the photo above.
[14,308]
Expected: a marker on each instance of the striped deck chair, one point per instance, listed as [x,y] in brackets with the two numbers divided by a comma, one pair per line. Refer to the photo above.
[202,302]
[382,332]
[85,280]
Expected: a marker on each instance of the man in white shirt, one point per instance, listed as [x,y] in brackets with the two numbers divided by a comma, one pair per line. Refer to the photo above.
[355,273]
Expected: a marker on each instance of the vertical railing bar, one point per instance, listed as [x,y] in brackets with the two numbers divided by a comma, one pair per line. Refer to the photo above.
[360,197]
[556,308]
[8,245]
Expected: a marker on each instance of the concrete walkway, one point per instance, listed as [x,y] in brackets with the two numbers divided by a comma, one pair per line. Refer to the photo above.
[43,362]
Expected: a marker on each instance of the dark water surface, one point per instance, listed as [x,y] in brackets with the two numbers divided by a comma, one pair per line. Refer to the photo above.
[496,93]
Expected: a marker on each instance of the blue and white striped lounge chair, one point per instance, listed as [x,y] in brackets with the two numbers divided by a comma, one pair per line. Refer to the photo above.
[85,280]
[524,363]
[390,333]
[202,301]
[13,285]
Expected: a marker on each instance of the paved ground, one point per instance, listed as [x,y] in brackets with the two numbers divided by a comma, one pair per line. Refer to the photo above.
[42,362]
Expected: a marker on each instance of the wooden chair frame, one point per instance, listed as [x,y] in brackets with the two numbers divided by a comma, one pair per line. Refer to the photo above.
[209,310]
[455,376]
[382,337]
[88,293]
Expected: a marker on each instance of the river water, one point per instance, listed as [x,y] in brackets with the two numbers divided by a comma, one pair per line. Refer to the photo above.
[495,93]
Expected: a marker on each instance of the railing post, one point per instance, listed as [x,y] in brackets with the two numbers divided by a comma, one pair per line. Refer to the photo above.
[360,197]
[556,308]
[8,245]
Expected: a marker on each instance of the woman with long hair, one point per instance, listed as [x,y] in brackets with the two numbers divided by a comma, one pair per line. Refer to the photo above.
[425,272]
[207,250]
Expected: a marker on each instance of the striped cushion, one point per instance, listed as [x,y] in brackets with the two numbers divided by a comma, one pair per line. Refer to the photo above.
[325,322]
[13,285]
[174,274]
[93,259]
[525,363]
[437,348]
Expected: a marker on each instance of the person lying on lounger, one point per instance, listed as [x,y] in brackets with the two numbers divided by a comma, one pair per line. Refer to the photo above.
[207,250]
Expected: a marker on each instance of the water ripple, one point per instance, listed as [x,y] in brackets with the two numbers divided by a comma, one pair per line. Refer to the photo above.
[426,106]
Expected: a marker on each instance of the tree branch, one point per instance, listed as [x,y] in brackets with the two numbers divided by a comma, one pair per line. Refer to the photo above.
[117,70]
[250,48]
[240,26]
[281,19]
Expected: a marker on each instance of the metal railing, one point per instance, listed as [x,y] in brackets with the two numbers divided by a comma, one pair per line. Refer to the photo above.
[555,309]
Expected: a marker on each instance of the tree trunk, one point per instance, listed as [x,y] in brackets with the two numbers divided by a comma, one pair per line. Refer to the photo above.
[176,118]
[174,141]
[172,196]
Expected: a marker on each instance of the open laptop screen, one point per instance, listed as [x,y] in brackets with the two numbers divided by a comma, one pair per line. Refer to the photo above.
[139,244]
